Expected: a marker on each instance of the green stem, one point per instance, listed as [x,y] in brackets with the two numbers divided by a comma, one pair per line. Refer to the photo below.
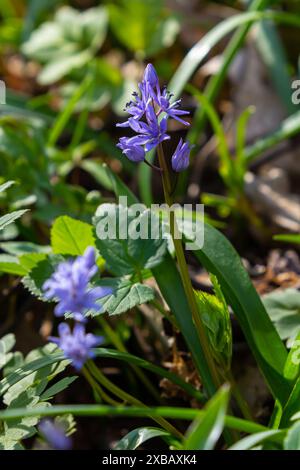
[97,389]
[119,345]
[130,399]
[183,269]
[105,410]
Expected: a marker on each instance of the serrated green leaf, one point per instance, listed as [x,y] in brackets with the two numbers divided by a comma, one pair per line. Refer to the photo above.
[39,274]
[30,260]
[125,295]
[119,242]
[70,236]
[283,307]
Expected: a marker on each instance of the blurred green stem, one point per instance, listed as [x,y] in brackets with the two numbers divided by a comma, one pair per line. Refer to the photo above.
[119,345]
[105,382]
[97,389]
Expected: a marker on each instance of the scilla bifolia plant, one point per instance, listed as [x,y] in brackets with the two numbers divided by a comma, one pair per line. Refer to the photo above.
[68,273]
[150,112]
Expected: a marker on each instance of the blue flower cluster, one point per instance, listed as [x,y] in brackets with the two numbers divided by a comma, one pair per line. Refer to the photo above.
[149,112]
[69,285]
[55,435]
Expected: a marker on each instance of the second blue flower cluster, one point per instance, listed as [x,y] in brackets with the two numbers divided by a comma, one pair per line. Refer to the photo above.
[70,287]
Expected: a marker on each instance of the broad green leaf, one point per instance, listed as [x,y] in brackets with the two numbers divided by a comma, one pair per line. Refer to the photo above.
[70,236]
[292,439]
[219,257]
[123,238]
[39,274]
[10,218]
[138,436]
[170,285]
[125,295]
[29,260]
[205,431]
[250,441]
[283,307]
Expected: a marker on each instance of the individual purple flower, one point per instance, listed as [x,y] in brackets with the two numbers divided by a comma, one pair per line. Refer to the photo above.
[135,153]
[171,109]
[149,133]
[77,345]
[69,284]
[180,158]
[54,434]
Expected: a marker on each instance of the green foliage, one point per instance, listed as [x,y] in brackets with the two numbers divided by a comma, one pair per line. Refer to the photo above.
[126,294]
[150,28]
[205,431]
[292,439]
[215,316]
[123,251]
[70,236]
[29,391]
[283,307]
[68,42]
[137,437]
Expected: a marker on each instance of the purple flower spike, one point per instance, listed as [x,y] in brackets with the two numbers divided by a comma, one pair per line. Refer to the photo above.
[69,284]
[77,345]
[180,158]
[55,435]
[145,120]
